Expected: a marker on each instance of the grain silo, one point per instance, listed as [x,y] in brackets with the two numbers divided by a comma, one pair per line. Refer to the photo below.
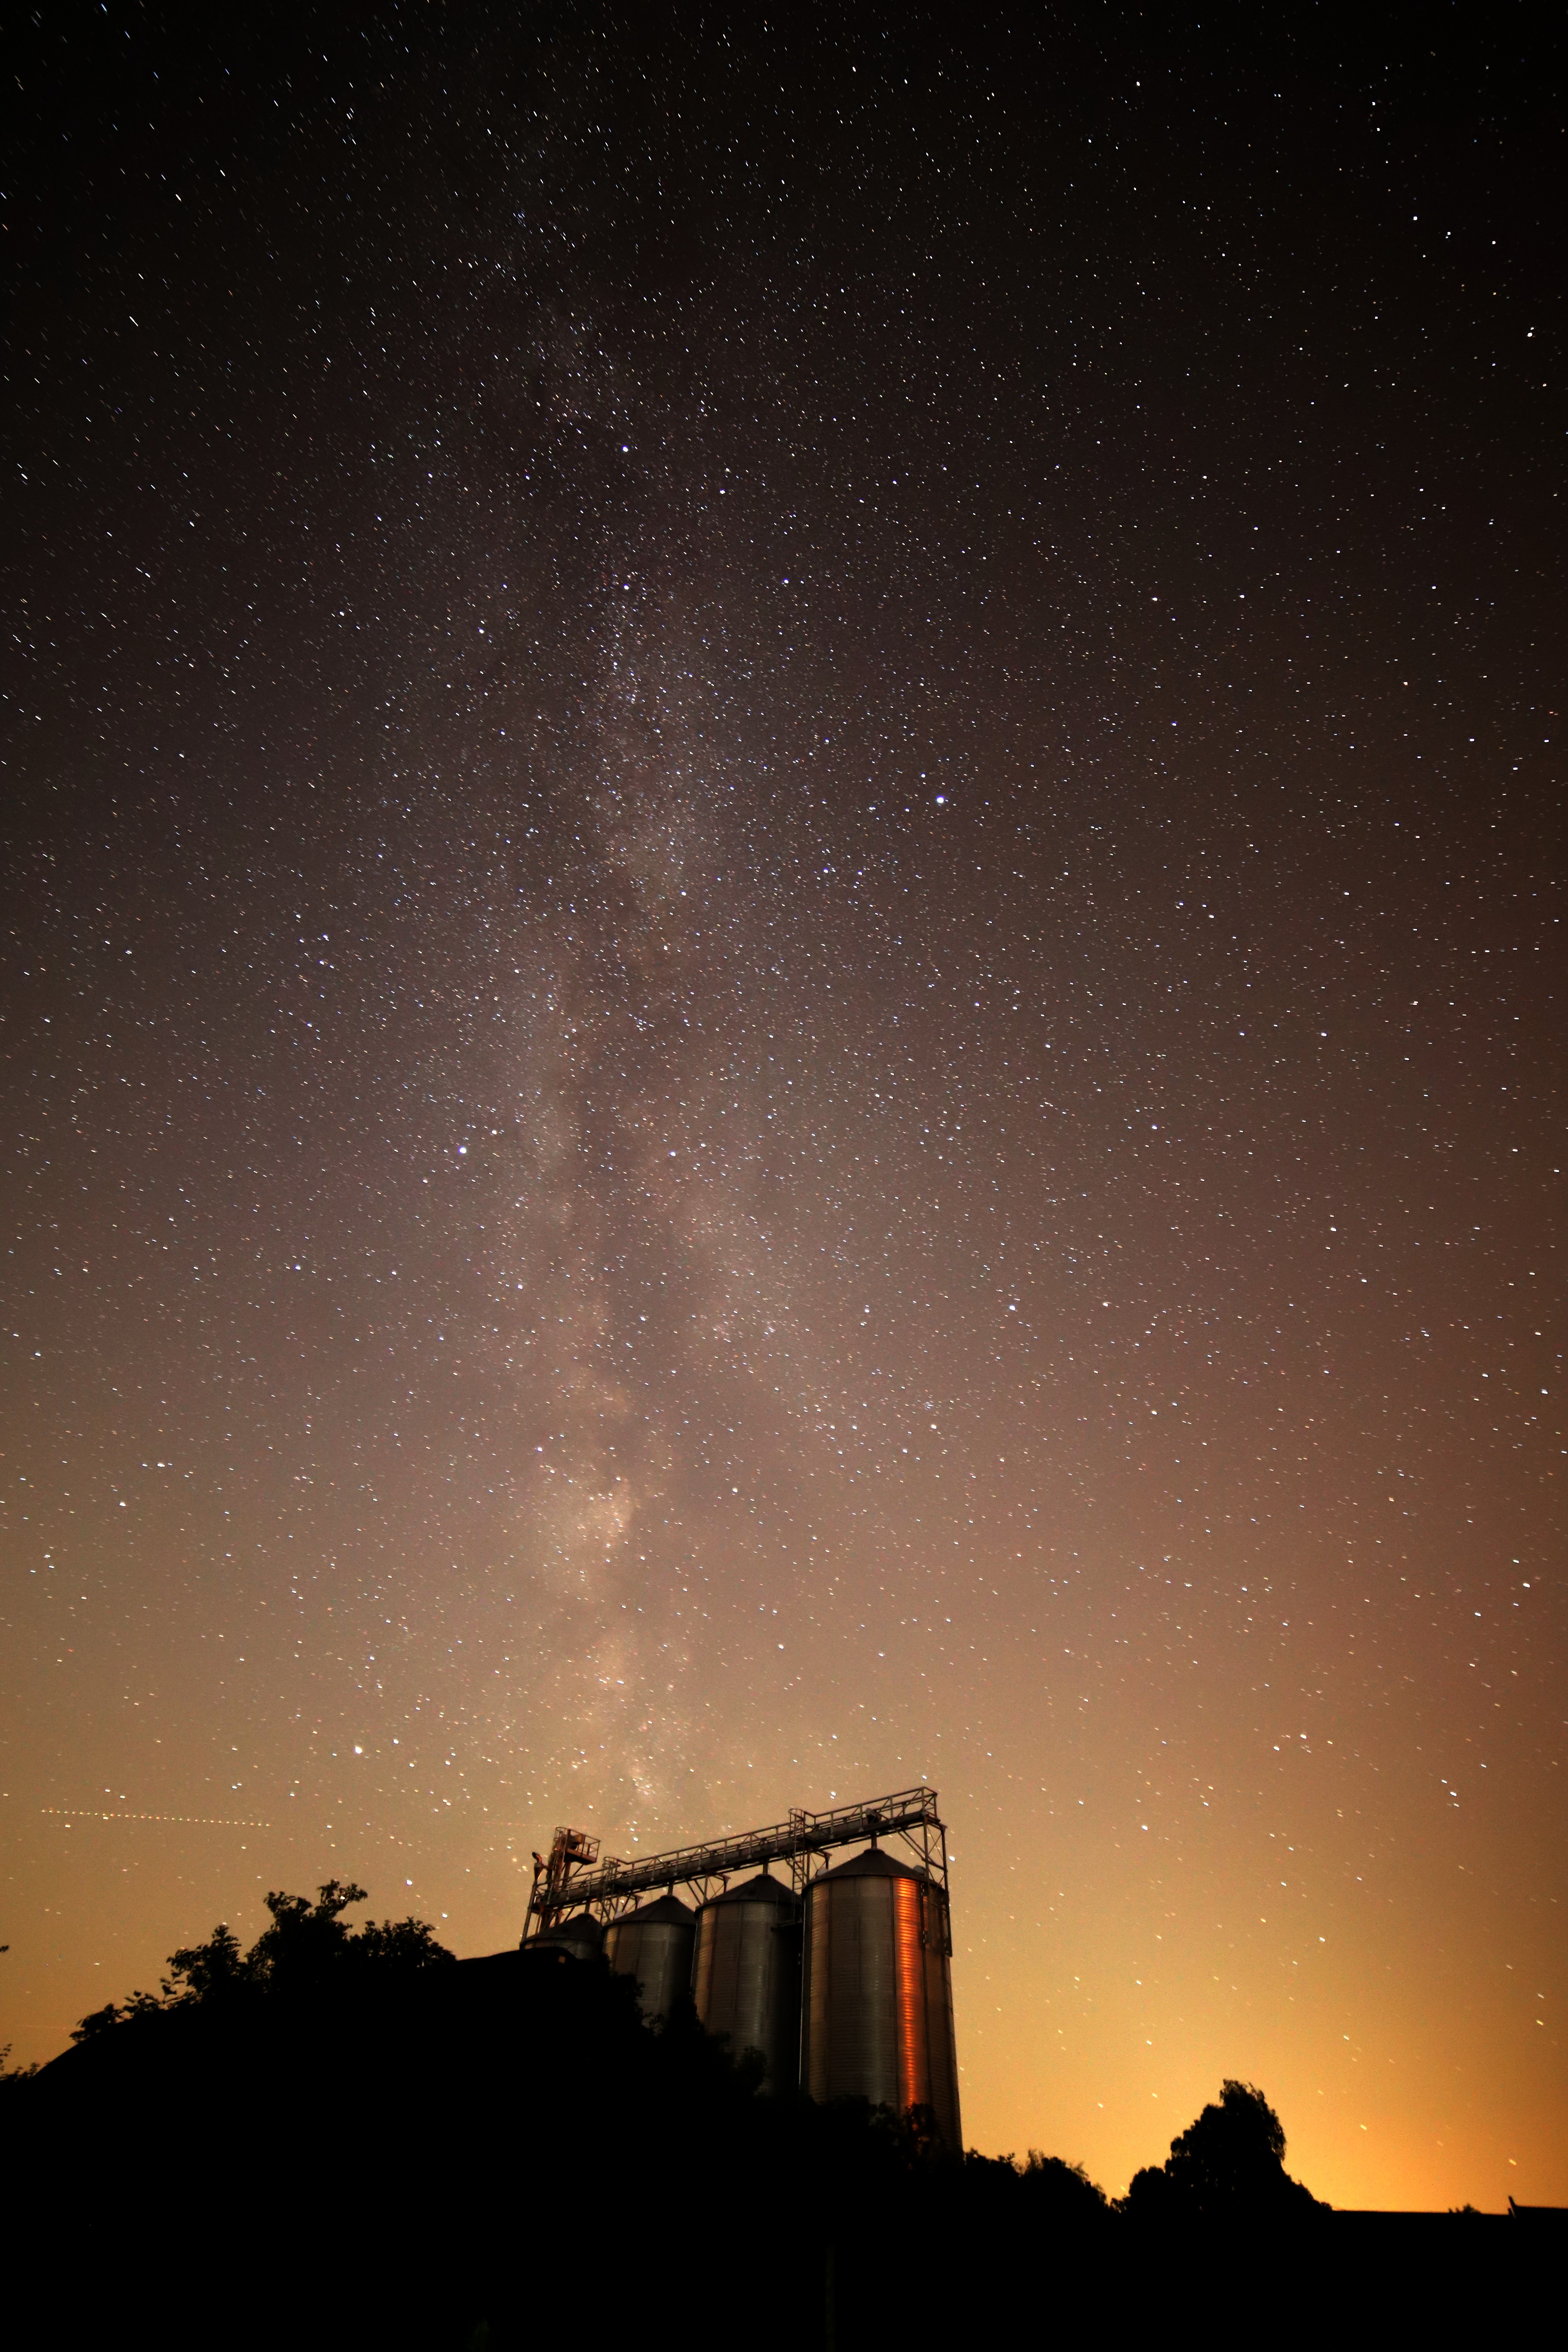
[878,1996]
[655,1944]
[580,1935]
[748,1975]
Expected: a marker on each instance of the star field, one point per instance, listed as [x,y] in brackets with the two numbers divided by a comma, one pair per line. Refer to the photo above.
[783,1009]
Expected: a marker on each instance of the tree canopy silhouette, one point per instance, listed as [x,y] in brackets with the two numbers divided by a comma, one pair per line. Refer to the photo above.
[307,1950]
[1227,2166]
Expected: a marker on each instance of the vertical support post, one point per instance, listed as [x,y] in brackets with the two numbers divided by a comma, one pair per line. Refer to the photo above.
[799,1859]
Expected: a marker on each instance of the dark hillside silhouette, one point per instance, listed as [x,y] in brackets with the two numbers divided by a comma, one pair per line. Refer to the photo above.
[347,2137]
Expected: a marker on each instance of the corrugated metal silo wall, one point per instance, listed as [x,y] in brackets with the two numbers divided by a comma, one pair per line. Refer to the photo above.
[658,1952]
[941,2041]
[748,1983]
[878,1997]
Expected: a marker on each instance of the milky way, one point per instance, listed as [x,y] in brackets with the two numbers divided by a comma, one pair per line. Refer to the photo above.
[783,1011]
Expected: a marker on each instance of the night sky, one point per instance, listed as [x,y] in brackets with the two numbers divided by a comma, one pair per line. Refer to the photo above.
[783,989]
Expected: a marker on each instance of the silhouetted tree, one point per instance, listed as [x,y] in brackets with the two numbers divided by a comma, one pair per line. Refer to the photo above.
[98,2021]
[1063,2192]
[1228,2165]
[1044,2187]
[307,1941]
[8,2073]
[214,1970]
[400,1946]
[307,1950]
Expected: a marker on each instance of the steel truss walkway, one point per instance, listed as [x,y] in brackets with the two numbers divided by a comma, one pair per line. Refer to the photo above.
[572,1878]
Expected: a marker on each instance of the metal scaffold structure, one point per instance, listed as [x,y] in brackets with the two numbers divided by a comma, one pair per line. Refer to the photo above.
[572,1878]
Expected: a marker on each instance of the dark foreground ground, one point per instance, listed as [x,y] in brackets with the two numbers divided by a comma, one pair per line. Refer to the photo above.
[498,2154]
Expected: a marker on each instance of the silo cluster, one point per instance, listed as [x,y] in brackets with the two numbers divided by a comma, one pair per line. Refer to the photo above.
[846,1994]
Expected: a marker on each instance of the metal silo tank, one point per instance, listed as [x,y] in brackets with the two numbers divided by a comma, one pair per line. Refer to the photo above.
[581,1935]
[655,1944]
[748,1975]
[877,1998]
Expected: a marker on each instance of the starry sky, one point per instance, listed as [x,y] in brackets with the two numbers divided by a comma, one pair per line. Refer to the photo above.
[783,1010]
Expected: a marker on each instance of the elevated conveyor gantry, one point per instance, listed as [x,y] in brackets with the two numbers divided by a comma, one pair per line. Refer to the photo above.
[574,1876]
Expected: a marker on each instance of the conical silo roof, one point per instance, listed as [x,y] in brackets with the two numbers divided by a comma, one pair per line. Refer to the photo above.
[582,1928]
[762,1889]
[665,1908]
[872,1864]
